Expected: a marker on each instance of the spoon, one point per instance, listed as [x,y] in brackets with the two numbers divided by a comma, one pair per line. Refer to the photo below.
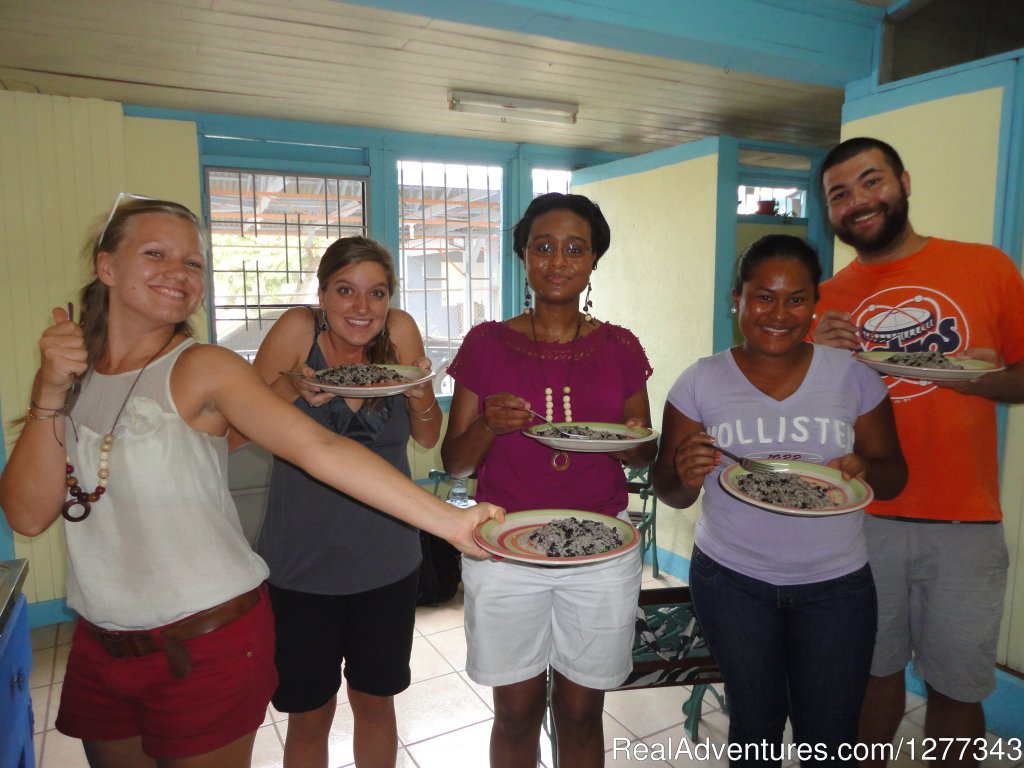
[559,430]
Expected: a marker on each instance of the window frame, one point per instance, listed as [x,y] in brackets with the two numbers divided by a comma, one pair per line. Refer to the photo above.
[205,171]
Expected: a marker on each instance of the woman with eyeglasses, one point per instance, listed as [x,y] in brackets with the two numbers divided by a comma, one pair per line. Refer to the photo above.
[522,619]
[786,603]
[126,438]
[343,575]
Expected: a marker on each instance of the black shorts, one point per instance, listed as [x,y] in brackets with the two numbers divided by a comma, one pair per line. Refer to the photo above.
[371,632]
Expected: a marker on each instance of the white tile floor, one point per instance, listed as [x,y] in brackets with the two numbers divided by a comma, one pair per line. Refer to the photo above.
[444,719]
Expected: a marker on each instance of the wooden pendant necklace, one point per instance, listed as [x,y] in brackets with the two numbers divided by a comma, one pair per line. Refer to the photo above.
[559,459]
[79,496]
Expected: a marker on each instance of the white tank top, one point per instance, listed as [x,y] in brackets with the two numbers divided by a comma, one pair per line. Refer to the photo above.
[165,540]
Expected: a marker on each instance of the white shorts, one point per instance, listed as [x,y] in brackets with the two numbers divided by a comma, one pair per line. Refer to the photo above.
[521,618]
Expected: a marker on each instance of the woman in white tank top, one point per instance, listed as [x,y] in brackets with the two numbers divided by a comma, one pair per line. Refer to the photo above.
[169,593]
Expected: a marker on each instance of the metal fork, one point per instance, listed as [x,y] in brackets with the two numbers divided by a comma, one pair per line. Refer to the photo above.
[748,464]
[561,432]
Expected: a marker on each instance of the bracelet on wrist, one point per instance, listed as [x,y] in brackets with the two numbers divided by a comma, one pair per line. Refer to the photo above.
[420,416]
[31,414]
[34,406]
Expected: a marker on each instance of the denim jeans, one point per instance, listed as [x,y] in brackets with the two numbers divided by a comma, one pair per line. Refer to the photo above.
[800,651]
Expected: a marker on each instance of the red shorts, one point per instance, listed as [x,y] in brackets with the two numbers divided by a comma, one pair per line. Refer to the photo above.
[224,697]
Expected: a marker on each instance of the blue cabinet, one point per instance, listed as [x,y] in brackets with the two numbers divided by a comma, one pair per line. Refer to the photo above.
[16,749]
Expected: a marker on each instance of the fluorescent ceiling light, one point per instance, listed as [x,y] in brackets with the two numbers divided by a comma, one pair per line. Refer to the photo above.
[511,109]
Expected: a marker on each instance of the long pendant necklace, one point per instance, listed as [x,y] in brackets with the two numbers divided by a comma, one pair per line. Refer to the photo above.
[79,496]
[559,459]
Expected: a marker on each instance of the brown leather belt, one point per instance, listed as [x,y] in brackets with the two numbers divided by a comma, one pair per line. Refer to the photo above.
[170,639]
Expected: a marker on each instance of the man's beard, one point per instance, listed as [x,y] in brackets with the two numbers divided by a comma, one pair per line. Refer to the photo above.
[895,222]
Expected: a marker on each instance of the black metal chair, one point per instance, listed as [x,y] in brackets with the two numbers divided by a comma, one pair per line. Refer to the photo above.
[638,483]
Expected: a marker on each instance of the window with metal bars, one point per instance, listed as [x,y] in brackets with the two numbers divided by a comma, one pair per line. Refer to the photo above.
[449,251]
[268,231]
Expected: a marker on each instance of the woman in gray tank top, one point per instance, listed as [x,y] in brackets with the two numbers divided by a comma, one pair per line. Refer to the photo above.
[336,564]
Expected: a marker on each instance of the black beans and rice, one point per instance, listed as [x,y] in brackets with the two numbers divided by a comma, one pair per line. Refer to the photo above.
[929,359]
[571,537]
[588,432]
[359,375]
[786,490]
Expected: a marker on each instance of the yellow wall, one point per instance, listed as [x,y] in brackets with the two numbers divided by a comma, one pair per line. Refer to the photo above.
[950,147]
[657,279]
[62,163]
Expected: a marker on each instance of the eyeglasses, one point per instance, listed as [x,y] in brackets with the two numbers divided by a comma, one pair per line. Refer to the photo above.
[122,197]
[569,251]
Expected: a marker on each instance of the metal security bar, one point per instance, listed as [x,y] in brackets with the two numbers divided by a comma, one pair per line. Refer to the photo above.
[268,231]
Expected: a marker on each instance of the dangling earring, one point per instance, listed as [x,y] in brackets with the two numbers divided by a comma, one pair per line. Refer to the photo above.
[323,320]
[587,304]
[527,298]
[733,310]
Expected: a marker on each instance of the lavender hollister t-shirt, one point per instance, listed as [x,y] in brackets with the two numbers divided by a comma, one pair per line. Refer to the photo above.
[814,424]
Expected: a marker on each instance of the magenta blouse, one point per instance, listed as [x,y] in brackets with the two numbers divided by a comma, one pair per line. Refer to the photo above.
[603,370]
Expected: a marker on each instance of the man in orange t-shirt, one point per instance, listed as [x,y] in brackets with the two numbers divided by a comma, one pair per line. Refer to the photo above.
[937,550]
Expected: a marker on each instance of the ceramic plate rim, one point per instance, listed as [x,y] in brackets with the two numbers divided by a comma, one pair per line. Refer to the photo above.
[817,471]
[376,390]
[516,519]
[871,360]
[591,446]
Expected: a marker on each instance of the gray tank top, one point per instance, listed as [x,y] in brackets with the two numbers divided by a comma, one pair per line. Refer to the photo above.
[318,540]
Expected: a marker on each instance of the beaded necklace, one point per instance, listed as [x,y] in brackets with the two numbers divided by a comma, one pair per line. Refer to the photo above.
[79,496]
[560,459]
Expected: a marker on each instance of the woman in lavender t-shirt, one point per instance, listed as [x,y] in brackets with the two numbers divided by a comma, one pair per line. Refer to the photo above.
[522,618]
[787,604]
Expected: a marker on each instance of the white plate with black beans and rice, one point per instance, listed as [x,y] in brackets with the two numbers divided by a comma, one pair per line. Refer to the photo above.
[557,537]
[801,488]
[926,366]
[593,436]
[368,379]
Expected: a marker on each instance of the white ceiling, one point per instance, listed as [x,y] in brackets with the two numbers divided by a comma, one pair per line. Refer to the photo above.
[353,64]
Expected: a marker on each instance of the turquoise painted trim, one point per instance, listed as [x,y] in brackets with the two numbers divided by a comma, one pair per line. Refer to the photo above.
[407,145]
[673,563]
[516,198]
[772,177]
[827,42]
[283,165]
[755,218]
[1010,197]
[950,82]
[382,209]
[899,5]
[47,612]
[648,162]
[819,231]
[6,540]
[725,241]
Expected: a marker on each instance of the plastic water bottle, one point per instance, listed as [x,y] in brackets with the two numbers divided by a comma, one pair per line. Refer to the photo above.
[459,494]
